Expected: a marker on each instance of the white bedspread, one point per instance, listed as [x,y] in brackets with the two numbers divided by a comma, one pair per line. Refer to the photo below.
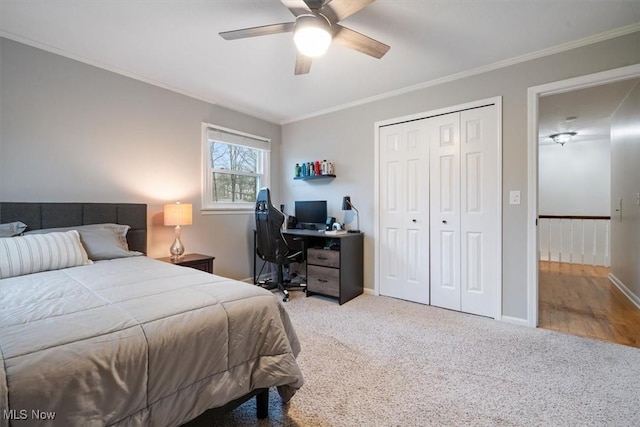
[136,341]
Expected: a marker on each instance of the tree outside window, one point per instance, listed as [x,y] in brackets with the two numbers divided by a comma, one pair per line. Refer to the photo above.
[235,172]
[235,168]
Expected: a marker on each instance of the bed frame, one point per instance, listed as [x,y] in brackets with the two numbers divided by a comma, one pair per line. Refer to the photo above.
[53,215]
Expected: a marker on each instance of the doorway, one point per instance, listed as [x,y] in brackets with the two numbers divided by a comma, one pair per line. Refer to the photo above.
[534,96]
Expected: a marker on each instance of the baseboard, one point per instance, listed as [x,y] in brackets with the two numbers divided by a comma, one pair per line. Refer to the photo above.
[626,291]
[369,291]
[515,321]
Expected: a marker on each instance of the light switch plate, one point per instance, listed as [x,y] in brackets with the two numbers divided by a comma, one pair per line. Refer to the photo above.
[514,197]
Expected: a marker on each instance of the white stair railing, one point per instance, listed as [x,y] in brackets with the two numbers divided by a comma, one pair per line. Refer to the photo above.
[574,239]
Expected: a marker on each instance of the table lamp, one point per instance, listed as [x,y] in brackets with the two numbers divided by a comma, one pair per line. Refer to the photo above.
[177,214]
[347,206]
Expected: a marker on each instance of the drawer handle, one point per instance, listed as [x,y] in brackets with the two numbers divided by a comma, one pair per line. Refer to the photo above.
[322,257]
[323,280]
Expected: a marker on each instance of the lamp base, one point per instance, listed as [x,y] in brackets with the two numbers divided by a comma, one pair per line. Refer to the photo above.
[177,248]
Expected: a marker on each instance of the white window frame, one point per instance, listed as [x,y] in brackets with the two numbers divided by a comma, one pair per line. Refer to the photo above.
[231,136]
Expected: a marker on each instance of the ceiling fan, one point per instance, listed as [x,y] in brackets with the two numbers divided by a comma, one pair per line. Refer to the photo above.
[315,27]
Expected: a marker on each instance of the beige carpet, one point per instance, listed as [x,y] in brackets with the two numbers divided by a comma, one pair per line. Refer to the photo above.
[378,361]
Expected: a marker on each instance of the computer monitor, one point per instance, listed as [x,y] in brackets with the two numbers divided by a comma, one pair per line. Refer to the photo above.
[311,214]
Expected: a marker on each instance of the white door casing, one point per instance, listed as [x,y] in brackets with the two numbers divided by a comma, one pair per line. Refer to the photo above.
[533,93]
[404,211]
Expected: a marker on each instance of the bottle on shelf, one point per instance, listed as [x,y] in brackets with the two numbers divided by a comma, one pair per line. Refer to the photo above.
[297,170]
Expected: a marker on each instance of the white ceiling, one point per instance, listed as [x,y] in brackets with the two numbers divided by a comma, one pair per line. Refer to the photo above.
[589,112]
[175,44]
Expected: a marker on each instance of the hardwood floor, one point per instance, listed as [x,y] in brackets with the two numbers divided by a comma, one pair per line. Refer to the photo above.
[580,300]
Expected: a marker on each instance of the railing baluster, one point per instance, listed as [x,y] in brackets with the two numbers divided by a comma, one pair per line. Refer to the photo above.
[582,245]
[550,222]
[571,242]
[607,260]
[595,243]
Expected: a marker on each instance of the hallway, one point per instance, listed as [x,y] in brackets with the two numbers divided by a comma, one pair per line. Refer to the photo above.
[580,300]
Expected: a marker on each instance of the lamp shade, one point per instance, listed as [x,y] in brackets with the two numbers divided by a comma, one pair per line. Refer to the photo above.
[347,206]
[178,214]
[346,203]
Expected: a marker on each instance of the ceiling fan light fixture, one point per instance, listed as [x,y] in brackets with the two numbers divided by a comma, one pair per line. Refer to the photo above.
[312,35]
[562,137]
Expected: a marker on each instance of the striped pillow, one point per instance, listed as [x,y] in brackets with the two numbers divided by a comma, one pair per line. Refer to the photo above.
[41,252]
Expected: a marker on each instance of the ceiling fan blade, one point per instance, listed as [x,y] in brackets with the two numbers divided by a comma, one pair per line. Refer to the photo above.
[360,42]
[337,10]
[303,64]
[297,7]
[264,30]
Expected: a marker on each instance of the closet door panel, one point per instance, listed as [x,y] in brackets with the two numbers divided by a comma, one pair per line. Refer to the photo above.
[480,203]
[444,175]
[404,213]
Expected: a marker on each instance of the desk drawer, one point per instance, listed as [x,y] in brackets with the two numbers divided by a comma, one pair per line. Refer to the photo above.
[324,257]
[324,280]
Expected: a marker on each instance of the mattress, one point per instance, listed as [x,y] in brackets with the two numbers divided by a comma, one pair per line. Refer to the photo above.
[136,341]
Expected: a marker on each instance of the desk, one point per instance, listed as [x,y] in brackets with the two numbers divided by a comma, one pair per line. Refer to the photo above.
[334,263]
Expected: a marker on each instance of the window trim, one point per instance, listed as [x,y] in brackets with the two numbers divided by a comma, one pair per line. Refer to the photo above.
[244,139]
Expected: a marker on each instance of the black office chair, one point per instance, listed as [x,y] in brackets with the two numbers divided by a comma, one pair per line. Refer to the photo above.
[271,246]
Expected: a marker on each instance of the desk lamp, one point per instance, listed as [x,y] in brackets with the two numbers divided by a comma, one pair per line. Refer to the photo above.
[177,214]
[347,206]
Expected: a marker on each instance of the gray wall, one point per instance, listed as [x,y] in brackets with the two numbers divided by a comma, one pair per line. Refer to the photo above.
[74,132]
[347,137]
[625,185]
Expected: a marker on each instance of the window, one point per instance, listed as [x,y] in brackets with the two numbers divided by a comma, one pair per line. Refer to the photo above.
[235,167]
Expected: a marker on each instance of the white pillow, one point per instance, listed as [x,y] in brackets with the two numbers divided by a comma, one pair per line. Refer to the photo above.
[40,252]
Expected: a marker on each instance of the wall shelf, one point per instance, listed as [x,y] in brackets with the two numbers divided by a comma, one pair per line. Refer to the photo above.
[311,177]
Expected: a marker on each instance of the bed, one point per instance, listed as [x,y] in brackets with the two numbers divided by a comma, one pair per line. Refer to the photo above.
[131,340]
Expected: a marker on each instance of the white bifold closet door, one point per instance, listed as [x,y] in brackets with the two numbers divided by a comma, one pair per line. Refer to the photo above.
[464,210]
[404,211]
[439,211]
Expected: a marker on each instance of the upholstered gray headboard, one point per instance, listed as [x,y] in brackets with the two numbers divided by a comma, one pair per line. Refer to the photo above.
[52,215]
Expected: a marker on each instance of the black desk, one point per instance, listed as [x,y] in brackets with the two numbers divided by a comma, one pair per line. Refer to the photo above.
[334,262]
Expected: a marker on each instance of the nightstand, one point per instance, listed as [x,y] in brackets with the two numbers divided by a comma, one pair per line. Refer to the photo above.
[197,261]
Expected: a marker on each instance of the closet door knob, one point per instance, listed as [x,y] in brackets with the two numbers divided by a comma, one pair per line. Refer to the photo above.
[413,220]
[444,221]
